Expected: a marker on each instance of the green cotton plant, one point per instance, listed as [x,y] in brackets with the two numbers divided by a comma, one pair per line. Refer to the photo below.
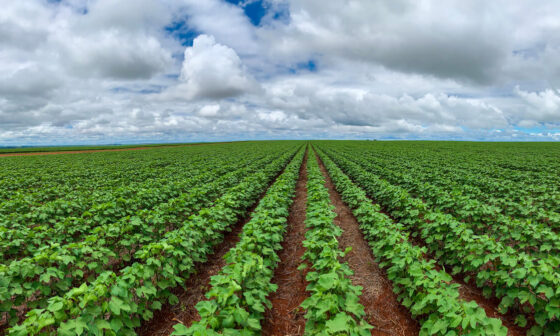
[332,307]
[57,268]
[238,297]
[429,294]
[69,219]
[530,236]
[115,303]
[521,281]
[516,193]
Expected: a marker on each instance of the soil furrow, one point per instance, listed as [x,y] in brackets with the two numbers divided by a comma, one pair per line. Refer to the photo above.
[468,292]
[198,283]
[381,305]
[196,286]
[285,317]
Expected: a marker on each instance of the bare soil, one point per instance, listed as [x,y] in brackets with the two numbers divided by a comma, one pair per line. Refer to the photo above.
[197,285]
[382,308]
[469,292]
[285,317]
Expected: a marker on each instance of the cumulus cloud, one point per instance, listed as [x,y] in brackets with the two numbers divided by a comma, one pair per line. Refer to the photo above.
[540,107]
[224,21]
[213,71]
[209,111]
[29,81]
[130,15]
[382,112]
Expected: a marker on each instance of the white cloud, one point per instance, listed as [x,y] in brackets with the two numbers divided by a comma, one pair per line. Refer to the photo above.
[209,111]
[130,15]
[547,100]
[213,71]
[142,56]
[449,40]
[224,21]
[543,106]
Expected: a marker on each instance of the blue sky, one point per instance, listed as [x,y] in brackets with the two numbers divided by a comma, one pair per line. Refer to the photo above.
[255,10]
[100,71]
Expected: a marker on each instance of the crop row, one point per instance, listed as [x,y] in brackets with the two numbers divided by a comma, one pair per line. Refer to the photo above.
[519,280]
[536,203]
[332,306]
[238,297]
[57,269]
[69,178]
[534,238]
[518,192]
[116,303]
[428,293]
[521,196]
[52,224]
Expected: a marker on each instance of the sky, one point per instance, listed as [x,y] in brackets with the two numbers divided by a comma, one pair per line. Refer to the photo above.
[137,71]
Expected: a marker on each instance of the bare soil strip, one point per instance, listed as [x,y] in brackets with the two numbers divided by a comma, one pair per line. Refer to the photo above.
[469,292]
[382,308]
[197,284]
[285,317]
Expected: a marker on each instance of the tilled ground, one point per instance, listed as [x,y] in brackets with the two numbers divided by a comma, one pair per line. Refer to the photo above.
[197,285]
[285,317]
[383,310]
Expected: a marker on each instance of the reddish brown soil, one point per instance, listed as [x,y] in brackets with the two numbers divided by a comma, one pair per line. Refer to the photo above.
[383,310]
[471,293]
[197,285]
[285,317]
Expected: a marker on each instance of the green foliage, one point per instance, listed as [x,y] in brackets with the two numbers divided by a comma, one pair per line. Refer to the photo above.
[428,293]
[117,302]
[56,268]
[238,297]
[94,244]
[525,282]
[332,308]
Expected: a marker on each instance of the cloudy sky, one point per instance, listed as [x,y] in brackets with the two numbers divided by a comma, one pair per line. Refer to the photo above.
[107,71]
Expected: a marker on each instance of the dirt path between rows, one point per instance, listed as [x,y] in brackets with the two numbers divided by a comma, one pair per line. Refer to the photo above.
[383,310]
[469,292]
[285,318]
[196,286]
